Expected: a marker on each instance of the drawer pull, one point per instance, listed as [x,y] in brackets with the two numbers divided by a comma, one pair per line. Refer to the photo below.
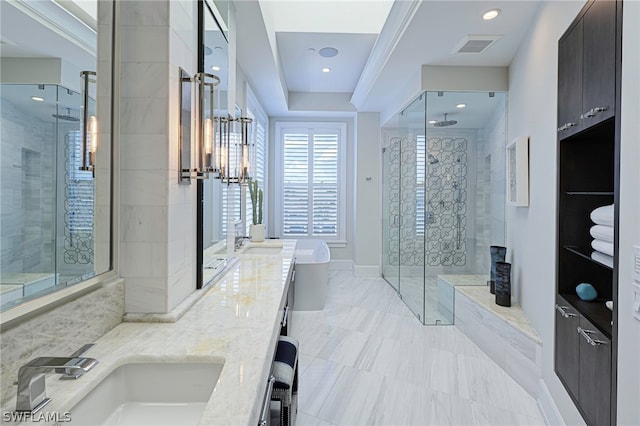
[563,312]
[284,317]
[566,126]
[592,112]
[586,334]
[265,413]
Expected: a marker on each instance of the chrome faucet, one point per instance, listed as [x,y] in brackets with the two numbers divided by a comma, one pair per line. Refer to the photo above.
[238,241]
[31,386]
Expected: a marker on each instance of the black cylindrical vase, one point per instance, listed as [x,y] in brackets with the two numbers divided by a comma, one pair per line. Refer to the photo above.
[503,284]
[498,254]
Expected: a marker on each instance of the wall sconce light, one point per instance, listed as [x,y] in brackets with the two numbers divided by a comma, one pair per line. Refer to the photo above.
[206,146]
[204,154]
[89,125]
[235,149]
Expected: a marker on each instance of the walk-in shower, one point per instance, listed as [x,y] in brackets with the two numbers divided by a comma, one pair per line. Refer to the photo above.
[443,193]
[47,203]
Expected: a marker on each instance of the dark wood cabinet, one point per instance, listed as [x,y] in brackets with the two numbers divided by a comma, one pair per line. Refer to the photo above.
[595,374]
[586,69]
[570,80]
[599,63]
[589,57]
[567,345]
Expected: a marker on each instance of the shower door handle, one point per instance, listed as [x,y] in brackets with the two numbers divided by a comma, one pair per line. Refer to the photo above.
[395,221]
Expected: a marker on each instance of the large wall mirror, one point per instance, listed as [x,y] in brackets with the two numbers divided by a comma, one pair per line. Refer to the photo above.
[55,178]
[214,214]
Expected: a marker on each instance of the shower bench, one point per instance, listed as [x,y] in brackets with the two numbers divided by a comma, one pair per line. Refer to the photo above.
[504,334]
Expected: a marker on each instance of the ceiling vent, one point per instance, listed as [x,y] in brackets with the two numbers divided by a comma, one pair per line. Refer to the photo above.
[475,43]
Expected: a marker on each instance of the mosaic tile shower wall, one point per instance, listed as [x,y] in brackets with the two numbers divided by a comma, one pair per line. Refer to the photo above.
[436,205]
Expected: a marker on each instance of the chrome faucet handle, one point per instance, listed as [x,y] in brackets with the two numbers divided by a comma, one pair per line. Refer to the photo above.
[66,372]
[31,384]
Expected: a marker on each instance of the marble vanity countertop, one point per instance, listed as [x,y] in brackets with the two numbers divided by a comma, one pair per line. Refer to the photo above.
[236,321]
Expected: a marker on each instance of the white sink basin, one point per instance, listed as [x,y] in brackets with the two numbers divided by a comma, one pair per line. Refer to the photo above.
[149,394]
[263,250]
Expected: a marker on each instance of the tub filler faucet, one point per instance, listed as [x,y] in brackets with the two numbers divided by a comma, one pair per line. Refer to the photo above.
[31,386]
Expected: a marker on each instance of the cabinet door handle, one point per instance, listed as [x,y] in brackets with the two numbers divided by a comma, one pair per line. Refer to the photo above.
[266,403]
[563,312]
[586,334]
[566,126]
[284,317]
[293,276]
[592,112]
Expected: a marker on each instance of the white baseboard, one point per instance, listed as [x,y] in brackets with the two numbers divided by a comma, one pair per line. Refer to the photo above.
[341,265]
[548,407]
[366,270]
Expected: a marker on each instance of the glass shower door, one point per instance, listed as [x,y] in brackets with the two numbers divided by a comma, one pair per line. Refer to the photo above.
[391,213]
[412,125]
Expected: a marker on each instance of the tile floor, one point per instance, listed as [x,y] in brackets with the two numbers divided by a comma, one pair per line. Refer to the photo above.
[366,360]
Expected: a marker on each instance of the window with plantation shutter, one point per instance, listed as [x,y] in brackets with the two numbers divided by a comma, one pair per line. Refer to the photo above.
[311,199]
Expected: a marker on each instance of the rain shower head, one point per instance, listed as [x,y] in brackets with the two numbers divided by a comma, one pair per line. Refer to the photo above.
[445,122]
[67,117]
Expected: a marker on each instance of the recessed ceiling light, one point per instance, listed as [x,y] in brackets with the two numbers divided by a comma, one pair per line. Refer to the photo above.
[37,98]
[326,69]
[215,68]
[432,121]
[461,105]
[328,52]
[491,14]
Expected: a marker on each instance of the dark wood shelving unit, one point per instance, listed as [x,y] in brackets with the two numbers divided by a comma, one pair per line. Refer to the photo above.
[586,254]
[589,58]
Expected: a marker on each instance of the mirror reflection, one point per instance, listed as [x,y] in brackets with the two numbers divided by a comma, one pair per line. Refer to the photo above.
[55,144]
[216,213]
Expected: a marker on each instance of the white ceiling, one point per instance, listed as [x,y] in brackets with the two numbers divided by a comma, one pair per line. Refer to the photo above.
[303,68]
[426,35]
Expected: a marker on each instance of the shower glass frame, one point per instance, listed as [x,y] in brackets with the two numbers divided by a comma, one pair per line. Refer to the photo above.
[444,193]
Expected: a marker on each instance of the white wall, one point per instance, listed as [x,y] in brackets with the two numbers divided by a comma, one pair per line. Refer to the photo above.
[628,327]
[531,232]
[367,221]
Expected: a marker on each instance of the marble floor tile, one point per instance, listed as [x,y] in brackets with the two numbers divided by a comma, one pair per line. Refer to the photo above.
[367,360]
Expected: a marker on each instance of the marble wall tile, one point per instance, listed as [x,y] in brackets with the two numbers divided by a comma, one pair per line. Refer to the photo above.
[140,187]
[144,43]
[149,80]
[140,224]
[144,115]
[144,260]
[60,331]
[145,295]
[145,13]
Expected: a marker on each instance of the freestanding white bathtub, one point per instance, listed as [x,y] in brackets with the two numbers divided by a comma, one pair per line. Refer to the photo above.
[312,275]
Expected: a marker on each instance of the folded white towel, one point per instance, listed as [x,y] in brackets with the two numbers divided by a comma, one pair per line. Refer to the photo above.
[603,215]
[605,259]
[603,247]
[602,232]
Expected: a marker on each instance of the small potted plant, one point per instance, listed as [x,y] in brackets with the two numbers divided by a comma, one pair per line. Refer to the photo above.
[256,231]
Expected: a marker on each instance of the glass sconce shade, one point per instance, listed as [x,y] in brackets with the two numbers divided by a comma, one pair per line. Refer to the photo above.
[234,149]
[205,140]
